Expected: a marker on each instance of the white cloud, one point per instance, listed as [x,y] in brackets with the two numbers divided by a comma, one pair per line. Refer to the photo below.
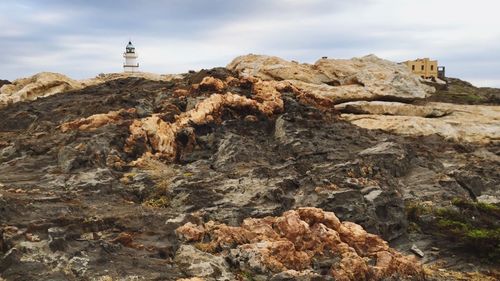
[85,40]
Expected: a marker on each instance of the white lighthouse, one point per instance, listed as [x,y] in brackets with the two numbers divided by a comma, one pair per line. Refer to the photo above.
[131,64]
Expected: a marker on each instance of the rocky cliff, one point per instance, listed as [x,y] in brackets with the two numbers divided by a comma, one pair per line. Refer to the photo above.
[263,170]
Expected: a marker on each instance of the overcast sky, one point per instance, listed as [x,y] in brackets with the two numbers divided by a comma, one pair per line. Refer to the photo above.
[84,38]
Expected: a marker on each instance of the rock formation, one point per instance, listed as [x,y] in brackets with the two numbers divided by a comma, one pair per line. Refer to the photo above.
[39,85]
[362,87]
[46,84]
[367,78]
[308,241]
[98,120]
[470,123]
[268,170]
[163,136]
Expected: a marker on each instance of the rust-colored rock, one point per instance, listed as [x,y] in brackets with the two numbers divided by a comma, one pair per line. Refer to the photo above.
[210,83]
[191,232]
[162,136]
[98,120]
[294,240]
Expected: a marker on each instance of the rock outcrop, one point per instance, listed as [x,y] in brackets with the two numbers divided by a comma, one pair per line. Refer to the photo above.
[45,84]
[365,78]
[307,241]
[40,85]
[363,88]
[251,168]
[4,82]
[163,137]
[98,120]
[469,123]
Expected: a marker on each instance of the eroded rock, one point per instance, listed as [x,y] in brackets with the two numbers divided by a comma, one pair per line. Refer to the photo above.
[98,120]
[470,123]
[294,240]
[367,77]
[40,85]
[167,139]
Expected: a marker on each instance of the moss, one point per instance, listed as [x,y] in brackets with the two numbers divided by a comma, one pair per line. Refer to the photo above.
[161,202]
[247,276]
[485,207]
[415,210]
[474,226]
[455,226]
[479,233]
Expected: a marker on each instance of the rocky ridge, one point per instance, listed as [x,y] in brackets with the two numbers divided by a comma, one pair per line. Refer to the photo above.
[47,83]
[236,173]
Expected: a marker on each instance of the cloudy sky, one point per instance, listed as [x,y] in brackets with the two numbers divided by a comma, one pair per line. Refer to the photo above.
[84,38]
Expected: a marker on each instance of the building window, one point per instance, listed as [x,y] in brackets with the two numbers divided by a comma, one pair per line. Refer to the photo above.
[413,67]
[432,67]
[422,67]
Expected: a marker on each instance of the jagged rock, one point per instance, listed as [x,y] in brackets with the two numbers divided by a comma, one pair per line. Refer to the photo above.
[389,155]
[290,242]
[46,84]
[57,238]
[417,251]
[196,263]
[263,149]
[167,139]
[367,77]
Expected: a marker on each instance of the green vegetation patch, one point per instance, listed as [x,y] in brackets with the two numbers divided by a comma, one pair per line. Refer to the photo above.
[474,226]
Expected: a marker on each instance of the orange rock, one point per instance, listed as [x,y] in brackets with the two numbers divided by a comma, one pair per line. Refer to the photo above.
[290,242]
[124,238]
[181,93]
[97,120]
[212,84]
[161,136]
[190,232]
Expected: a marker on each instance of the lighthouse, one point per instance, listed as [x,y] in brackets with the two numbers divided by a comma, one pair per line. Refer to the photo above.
[131,64]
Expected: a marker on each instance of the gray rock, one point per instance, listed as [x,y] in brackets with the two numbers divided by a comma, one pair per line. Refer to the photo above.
[57,238]
[78,265]
[196,263]
[417,251]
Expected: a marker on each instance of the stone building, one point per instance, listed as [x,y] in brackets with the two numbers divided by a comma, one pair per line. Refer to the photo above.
[425,67]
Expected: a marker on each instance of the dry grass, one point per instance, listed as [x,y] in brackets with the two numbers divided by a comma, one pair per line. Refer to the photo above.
[160,173]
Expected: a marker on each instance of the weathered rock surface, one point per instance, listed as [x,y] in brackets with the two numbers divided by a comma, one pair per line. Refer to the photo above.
[39,85]
[4,82]
[163,136]
[46,84]
[470,123]
[95,180]
[303,240]
[367,77]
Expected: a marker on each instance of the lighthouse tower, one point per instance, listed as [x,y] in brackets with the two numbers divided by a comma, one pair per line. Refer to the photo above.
[131,64]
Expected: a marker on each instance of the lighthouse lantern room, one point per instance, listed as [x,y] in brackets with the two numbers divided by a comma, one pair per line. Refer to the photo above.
[131,64]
